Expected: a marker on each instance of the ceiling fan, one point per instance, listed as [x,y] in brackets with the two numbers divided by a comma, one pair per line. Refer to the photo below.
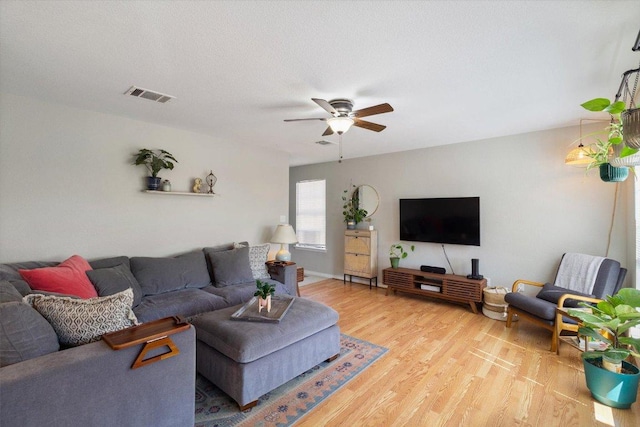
[343,116]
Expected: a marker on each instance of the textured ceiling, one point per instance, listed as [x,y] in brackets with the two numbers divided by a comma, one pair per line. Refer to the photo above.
[454,71]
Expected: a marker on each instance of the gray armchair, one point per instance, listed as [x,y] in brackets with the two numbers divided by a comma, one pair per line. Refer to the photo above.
[594,278]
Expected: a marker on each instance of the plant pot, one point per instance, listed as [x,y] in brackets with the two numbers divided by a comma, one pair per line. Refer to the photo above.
[610,388]
[153,182]
[631,126]
[264,303]
[351,225]
[610,173]
[395,261]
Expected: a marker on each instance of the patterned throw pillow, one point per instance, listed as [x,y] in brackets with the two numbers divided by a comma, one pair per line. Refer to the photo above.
[257,258]
[81,321]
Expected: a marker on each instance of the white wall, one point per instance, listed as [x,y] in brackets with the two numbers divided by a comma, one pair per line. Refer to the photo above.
[68,186]
[533,206]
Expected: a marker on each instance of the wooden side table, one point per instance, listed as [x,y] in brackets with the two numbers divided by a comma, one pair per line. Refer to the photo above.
[274,267]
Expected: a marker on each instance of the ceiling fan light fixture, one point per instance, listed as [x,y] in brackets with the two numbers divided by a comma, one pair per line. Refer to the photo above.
[340,124]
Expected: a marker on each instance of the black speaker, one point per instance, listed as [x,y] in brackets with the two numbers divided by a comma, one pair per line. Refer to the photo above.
[430,269]
[475,274]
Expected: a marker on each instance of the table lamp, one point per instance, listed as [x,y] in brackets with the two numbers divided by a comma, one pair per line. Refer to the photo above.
[284,234]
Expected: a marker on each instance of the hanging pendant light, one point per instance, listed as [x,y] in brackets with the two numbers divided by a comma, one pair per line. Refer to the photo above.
[579,156]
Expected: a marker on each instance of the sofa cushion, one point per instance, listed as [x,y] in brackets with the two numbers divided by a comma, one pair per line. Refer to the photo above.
[81,321]
[250,341]
[545,310]
[230,267]
[219,248]
[183,302]
[111,280]
[159,275]
[243,292]
[553,293]
[24,334]
[68,277]
[110,262]
[8,292]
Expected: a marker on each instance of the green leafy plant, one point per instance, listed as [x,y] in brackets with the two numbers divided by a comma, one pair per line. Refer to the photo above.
[602,150]
[397,251]
[155,161]
[351,207]
[608,321]
[264,289]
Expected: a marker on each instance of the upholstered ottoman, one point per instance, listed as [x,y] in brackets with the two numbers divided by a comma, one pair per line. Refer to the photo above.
[248,359]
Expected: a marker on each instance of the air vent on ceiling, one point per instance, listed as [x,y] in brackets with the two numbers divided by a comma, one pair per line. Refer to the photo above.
[148,94]
[325,142]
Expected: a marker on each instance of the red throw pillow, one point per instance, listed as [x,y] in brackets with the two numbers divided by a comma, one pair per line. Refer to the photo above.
[69,277]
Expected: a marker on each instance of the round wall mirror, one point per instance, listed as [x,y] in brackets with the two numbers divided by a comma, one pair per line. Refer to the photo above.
[366,197]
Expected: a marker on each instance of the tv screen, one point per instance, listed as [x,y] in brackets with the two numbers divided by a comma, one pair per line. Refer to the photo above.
[454,220]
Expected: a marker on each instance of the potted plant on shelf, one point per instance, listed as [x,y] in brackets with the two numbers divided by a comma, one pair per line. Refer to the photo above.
[610,378]
[155,161]
[602,152]
[351,210]
[397,252]
[264,293]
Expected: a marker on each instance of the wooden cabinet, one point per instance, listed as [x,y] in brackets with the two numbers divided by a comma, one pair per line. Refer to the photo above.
[449,287]
[361,255]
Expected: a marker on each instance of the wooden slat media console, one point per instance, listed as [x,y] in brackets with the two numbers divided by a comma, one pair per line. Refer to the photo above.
[449,287]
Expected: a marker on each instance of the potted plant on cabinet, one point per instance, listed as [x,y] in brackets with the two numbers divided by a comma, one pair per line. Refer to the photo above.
[155,161]
[602,152]
[397,252]
[610,378]
[351,210]
[264,293]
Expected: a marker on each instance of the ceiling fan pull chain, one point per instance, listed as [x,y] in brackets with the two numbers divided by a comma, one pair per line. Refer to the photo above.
[340,148]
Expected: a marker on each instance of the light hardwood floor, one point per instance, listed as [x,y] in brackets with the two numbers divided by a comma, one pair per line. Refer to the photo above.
[449,367]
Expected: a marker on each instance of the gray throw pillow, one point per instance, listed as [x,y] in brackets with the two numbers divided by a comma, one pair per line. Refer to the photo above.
[111,280]
[8,292]
[24,334]
[110,262]
[160,275]
[553,293]
[231,267]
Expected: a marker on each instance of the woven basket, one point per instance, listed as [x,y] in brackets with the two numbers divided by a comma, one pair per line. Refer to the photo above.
[494,305]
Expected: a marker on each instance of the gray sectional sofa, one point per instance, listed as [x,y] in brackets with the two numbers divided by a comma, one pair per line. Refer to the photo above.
[45,384]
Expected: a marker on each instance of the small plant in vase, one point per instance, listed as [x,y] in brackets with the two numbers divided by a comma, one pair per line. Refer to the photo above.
[264,293]
[155,161]
[397,252]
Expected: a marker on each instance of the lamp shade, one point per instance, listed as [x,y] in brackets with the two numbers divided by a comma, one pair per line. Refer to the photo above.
[579,156]
[340,124]
[284,234]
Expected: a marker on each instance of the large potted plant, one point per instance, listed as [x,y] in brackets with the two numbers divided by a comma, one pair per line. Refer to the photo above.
[397,252]
[351,210]
[603,151]
[610,378]
[155,161]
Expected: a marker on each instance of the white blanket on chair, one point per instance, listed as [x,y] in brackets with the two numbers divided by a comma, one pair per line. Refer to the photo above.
[578,272]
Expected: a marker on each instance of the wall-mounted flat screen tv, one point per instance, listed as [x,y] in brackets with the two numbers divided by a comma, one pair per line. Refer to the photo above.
[453,220]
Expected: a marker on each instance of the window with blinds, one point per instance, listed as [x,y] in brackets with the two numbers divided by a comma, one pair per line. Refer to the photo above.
[311,214]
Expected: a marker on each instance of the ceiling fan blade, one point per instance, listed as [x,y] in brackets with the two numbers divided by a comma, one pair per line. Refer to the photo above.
[368,125]
[376,109]
[328,131]
[298,120]
[324,104]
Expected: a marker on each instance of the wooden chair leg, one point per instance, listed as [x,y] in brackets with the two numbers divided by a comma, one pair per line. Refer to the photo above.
[554,340]
[509,317]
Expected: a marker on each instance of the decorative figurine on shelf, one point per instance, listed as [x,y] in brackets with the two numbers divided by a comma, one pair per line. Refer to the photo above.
[211,181]
[166,185]
[197,183]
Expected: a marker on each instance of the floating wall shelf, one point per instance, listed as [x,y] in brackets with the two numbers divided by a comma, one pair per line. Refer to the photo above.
[179,193]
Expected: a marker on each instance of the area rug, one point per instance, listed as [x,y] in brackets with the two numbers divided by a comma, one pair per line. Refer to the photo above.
[289,402]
